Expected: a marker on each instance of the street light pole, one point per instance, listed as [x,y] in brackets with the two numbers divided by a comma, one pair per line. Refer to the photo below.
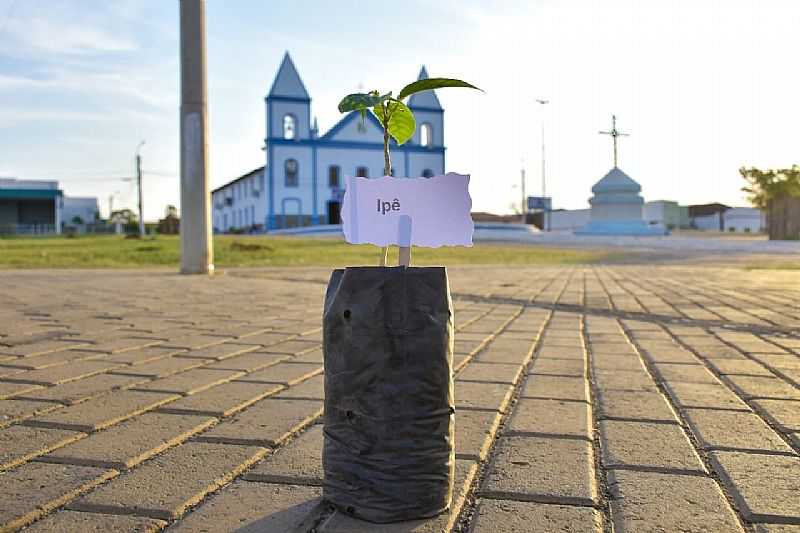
[197,252]
[139,188]
[546,213]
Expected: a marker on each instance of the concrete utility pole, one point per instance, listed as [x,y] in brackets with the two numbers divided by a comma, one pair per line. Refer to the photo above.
[197,252]
[545,213]
[523,206]
[139,188]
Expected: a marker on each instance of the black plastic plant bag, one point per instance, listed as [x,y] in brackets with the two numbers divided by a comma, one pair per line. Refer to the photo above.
[389,413]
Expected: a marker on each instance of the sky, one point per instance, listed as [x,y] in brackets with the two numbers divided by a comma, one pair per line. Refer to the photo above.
[703,87]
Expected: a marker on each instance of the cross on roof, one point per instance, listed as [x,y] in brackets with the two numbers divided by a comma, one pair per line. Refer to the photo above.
[614,134]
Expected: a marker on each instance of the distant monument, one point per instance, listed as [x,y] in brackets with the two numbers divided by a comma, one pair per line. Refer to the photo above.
[617,204]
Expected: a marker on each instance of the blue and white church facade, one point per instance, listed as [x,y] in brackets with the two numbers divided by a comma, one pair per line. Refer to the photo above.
[303,180]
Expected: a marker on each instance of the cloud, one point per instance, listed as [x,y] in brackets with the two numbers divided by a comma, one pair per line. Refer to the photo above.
[37,34]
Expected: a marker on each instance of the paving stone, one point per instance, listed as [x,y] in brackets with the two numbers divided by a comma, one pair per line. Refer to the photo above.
[473,395]
[783,413]
[299,462]
[292,347]
[505,350]
[765,487]
[491,372]
[83,389]
[142,355]
[63,373]
[40,348]
[743,367]
[694,373]
[558,367]
[14,410]
[169,484]
[268,338]
[629,405]
[643,444]
[10,371]
[311,389]
[19,444]
[557,388]
[314,356]
[284,373]
[102,412]
[268,422]
[222,400]
[776,528]
[51,359]
[161,367]
[194,341]
[507,516]
[465,473]
[668,354]
[121,345]
[218,352]
[9,390]
[73,522]
[250,361]
[658,503]
[34,489]
[246,507]
[638,381]
[556,352]
[763,387]
[544,470]
[475,432]
[191,381]
[715,430]
[132,442]
[468,346]
[550,417]
[779,361]
[709,396]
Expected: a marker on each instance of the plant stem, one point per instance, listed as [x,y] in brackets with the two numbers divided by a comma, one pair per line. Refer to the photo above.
[387,168]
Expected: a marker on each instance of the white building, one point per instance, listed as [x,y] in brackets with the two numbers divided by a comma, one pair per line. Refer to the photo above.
[303,179]
[30,206]
[744,219]
[84,208]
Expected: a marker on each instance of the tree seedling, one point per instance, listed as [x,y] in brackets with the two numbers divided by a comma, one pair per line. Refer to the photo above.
[397,121]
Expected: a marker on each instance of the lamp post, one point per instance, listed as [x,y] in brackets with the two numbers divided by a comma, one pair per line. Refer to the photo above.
[545,212]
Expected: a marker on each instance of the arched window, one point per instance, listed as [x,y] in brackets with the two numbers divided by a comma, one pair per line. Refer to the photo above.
[426,135]
[427,173]
[333,175]
[290,168]
[362,172]
[289,127]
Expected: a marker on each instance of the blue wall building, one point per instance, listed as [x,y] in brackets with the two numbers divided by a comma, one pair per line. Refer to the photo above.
[303,180]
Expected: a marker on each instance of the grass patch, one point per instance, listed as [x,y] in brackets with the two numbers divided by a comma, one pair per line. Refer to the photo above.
[112,251]
[773,265]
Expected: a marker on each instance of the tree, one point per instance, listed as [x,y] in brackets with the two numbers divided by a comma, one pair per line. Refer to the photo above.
[766,185]
[171,211]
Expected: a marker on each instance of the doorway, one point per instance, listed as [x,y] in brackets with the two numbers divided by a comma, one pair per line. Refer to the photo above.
[333,212]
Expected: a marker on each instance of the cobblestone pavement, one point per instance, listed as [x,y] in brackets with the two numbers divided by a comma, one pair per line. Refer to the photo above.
[588,398]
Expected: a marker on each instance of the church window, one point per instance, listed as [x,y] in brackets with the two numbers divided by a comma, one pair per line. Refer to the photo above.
[289,127]
[290,167]
[427,173]
[333,176]
[426,135]
[362,172]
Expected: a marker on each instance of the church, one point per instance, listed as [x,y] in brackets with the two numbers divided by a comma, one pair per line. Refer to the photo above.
[302,182]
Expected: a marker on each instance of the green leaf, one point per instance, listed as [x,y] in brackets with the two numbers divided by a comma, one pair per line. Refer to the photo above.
[401,121]
[361,101]
[432,83]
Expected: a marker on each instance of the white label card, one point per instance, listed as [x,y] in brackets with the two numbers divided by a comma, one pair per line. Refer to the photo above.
[429,212]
